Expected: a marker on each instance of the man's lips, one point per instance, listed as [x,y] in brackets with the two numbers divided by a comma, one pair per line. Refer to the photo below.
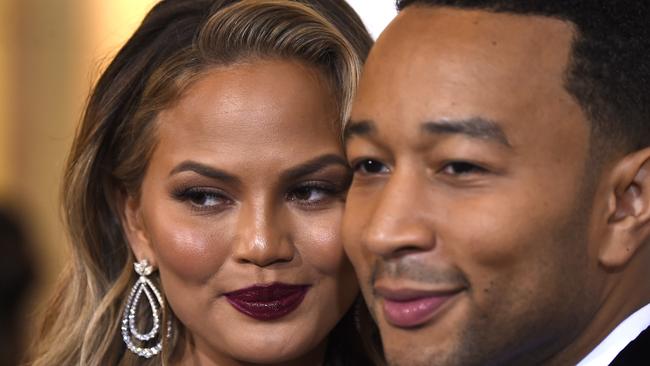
[407,307]
[267,301]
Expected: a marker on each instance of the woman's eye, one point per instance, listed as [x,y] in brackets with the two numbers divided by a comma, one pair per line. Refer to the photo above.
[310,194]
[203,198]
[462,168]
[369,166]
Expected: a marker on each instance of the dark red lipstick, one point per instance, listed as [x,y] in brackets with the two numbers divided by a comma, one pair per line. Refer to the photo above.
[267,302]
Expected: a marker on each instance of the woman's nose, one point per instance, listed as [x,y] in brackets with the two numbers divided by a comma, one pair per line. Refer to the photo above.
[262,238]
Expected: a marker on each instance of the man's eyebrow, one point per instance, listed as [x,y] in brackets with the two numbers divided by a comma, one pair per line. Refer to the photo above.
[358,128]
[204,170]
[475,127]
[313,166]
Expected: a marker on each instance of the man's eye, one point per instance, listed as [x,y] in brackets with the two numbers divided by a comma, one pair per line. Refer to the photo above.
[462,168]
[369,166]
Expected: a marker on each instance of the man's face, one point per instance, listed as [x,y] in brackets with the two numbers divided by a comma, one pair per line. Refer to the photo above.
[468,220]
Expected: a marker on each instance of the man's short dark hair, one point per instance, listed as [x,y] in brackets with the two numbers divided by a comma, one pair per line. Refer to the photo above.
[609,70]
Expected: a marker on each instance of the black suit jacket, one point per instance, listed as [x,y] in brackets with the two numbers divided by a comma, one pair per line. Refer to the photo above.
[637,353]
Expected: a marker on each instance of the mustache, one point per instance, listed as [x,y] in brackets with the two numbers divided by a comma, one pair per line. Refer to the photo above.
[415,271]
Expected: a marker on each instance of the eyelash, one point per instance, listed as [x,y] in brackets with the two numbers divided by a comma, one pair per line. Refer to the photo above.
[327,189]
[194,194]
[197,196]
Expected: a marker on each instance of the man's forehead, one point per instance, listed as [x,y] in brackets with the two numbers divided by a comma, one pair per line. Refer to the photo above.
[439,23]
[446,63]
[428,34]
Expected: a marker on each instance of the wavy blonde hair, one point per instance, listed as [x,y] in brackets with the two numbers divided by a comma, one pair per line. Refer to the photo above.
[175,44]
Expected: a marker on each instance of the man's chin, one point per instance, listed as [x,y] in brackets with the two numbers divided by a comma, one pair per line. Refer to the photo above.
[415,346]
[416,355]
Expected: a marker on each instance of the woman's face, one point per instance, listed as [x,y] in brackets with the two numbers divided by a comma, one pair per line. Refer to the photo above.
[240,212]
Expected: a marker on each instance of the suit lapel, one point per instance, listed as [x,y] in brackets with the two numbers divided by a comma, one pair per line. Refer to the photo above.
[636,353]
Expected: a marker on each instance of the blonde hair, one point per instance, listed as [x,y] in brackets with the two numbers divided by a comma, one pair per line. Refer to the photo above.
[177,41]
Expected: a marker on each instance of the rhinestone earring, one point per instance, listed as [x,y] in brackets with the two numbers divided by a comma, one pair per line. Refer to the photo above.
[130,333]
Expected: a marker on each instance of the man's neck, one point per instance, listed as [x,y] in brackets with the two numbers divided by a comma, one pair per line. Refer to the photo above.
[618,340]
[624,295]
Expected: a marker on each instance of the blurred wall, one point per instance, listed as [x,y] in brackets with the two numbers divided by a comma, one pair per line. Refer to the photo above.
[376,14]
[50,54]
[5,126]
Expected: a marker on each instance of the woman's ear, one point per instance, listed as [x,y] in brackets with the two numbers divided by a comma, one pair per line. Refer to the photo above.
[630,210]
[135,229]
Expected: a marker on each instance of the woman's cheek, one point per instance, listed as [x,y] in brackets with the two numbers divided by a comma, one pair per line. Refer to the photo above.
[193,250]
[319,241]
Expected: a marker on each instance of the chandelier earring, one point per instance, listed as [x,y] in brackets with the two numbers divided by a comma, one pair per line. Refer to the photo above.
[146,344]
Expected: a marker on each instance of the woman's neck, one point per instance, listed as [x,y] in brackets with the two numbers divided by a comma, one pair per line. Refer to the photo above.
[193,352]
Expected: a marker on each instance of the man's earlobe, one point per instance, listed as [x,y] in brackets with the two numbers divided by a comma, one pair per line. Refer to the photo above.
[630,220]
[135,229]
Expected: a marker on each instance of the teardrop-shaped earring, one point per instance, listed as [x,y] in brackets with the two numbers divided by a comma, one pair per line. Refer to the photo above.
[129,324]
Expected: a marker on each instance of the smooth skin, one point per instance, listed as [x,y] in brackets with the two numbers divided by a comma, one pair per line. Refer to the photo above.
[474,179]
[246,186]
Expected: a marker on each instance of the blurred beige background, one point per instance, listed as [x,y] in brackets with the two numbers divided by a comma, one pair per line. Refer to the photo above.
[51,52]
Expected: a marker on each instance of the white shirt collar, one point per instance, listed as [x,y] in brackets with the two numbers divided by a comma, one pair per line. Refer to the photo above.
[618,339]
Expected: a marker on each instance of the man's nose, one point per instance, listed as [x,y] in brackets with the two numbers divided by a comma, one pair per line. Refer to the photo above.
[399,223]
[261,238]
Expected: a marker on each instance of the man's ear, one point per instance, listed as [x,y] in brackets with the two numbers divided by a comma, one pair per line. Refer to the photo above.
[629,218]
[135,229]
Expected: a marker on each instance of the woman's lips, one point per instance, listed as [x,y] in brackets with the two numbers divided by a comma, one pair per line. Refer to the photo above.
[410,308]
[267,302]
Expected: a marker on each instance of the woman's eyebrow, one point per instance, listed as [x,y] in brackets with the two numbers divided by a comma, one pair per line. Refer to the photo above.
[205,170]
[312,166]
